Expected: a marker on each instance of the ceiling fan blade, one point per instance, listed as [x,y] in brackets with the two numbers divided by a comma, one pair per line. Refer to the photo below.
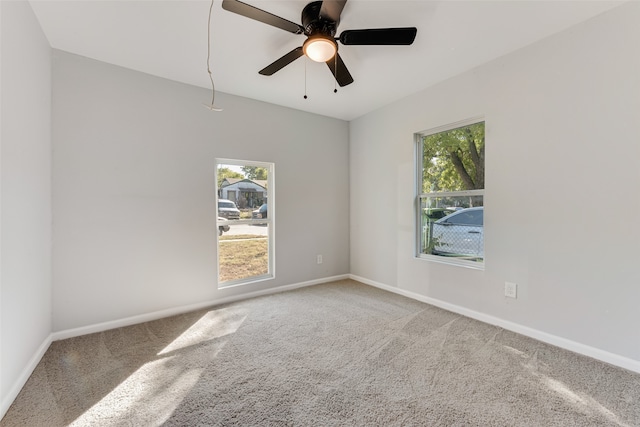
[339,70]
[251,12]
[379,36]
[331,9]
[279,64]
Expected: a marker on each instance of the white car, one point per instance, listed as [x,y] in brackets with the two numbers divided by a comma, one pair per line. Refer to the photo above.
[460,233]
[222,228]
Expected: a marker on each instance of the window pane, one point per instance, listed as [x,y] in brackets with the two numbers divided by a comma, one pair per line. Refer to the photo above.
[450,192]
[453,226]
[244,252]
[245,242]
[453,160]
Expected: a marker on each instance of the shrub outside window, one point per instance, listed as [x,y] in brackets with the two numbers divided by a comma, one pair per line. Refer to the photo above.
[450,201]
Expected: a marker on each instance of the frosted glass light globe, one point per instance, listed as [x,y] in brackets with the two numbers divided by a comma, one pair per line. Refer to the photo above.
[319,49]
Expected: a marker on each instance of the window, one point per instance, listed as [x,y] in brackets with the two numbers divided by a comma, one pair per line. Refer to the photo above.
[245,221]
[450,201]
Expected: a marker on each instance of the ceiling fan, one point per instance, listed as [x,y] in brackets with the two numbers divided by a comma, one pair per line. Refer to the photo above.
[320,21]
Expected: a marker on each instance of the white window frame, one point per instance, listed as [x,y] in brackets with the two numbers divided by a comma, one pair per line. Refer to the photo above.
[270,221]
[418,138]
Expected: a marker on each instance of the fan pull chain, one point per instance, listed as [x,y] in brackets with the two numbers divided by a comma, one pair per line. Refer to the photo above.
[305,77]
[335,64]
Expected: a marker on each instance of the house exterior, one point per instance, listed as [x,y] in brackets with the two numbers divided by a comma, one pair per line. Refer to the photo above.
[246,193]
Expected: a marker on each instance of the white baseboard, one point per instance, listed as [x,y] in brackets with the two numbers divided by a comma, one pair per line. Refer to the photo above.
[147,317]
[576,347]
[24,376]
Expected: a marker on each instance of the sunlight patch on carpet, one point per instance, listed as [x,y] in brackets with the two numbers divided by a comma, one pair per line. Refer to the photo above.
[214,324]
[587,401]
[147,387]
[162,384]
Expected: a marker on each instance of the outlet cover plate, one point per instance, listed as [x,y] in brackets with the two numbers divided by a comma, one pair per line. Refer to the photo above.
[510,290]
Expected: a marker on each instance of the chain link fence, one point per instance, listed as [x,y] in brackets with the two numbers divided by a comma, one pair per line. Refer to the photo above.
[453,231]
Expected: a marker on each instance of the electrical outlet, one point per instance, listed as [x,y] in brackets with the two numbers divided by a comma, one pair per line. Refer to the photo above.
[510,290]
[319,259]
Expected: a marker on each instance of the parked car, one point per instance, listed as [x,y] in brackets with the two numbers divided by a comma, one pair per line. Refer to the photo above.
[228,209]
[222,228]
[461,233]
[260,213]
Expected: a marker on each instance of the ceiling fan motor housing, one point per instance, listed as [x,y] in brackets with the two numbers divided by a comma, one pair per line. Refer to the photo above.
[313,24]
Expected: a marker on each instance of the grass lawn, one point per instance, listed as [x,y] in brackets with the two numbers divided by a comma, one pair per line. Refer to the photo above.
[243,256]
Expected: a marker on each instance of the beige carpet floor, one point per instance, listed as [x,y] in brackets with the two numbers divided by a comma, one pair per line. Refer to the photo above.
[338,354]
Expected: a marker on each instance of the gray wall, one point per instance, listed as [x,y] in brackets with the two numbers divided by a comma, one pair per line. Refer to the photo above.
[25,152]
[134,186]
[561,187]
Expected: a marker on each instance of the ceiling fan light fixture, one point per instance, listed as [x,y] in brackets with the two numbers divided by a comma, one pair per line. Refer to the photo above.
[320,48]
[320,21]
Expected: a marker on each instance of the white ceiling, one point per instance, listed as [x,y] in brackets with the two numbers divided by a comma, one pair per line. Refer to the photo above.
[169,39]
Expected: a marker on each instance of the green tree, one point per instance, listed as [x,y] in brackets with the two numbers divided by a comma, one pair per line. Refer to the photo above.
[255,172]
[227,173]
[454,160]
